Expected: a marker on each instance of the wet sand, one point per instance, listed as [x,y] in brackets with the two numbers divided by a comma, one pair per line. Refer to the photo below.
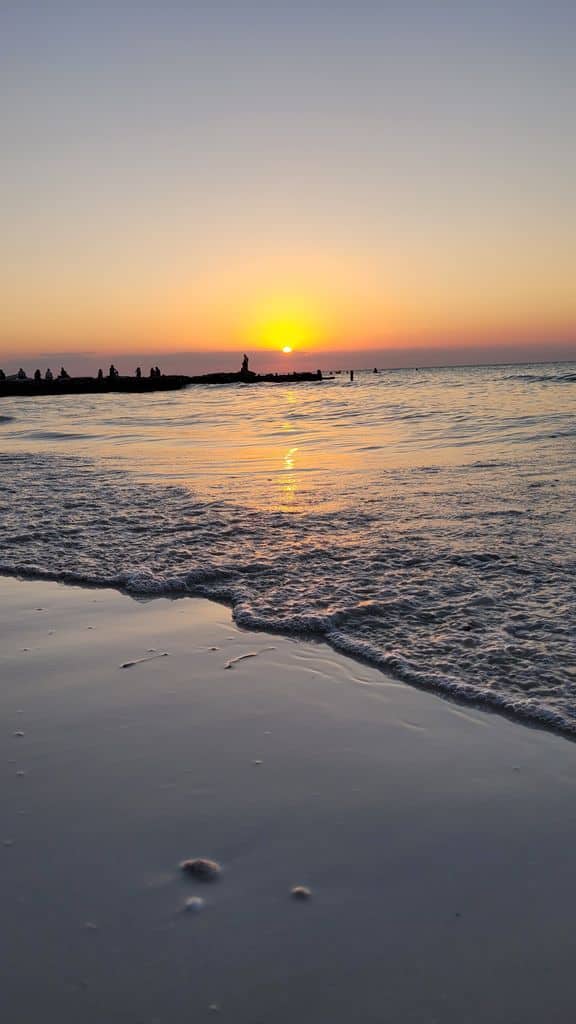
[437,841]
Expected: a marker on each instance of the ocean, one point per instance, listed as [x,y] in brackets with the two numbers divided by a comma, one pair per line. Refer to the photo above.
[423,520]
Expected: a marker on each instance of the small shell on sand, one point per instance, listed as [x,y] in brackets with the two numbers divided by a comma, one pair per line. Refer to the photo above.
[199,867]
[194,905]
[300,892]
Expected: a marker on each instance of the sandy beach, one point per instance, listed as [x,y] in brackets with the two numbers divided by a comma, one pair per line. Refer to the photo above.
[436,840]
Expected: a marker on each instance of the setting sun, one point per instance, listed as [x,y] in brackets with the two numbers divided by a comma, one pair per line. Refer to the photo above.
[285,324]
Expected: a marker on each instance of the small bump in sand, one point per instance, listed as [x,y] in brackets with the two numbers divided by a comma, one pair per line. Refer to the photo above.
[201,868]
[301,892]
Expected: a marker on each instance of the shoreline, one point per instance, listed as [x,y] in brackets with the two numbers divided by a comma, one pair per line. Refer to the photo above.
[435,838]
[519,709]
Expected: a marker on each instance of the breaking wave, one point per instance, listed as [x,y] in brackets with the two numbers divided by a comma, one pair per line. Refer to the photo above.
[451,578]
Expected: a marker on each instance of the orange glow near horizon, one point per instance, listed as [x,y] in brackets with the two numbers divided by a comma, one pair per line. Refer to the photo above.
[326,306]
[403,294]
[285,325]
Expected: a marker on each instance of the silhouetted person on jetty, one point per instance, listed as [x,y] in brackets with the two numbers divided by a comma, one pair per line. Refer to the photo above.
[100,375]
[112,372]
[157,371]
[2,375]
[245,373]
[21,375]
[63,375]
[37,376]
[351,375]
[138,373]
[48,375]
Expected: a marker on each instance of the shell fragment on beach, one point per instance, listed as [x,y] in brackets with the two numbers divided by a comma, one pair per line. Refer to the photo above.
[140,661]
[301,892]
[201,868]
[194,905]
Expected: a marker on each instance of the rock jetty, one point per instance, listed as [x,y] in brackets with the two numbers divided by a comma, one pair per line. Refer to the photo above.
[32,387]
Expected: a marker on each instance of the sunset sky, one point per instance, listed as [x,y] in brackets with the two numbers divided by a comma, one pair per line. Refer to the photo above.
[392,181]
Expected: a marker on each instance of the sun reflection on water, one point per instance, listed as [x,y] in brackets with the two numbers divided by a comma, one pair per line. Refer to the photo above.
[287,482]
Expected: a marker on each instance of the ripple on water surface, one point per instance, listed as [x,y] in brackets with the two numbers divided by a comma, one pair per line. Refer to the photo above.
[449,564]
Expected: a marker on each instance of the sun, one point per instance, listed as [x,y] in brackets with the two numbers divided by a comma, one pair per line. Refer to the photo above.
[283,325]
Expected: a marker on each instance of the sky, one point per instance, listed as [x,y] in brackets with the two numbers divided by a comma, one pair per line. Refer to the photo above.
[361,182]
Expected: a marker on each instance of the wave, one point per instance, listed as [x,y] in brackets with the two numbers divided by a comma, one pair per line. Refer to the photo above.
[321,627]
[543,378]
[447,590]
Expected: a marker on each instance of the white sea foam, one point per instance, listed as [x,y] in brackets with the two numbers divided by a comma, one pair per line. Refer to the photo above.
[456,574]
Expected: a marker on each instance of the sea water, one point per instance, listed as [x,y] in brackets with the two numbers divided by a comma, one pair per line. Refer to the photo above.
[421,519]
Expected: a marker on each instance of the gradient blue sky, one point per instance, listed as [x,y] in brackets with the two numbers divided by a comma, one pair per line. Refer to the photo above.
[361,176]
